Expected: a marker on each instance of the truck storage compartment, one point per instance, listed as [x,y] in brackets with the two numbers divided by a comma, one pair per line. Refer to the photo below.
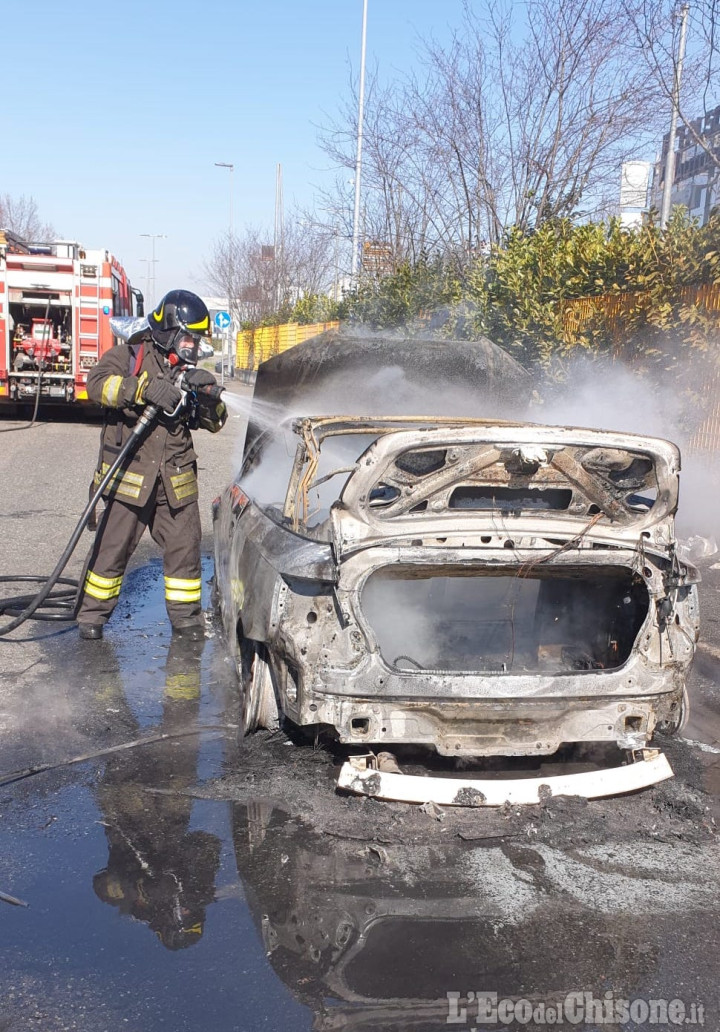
[508,620]
[42,334]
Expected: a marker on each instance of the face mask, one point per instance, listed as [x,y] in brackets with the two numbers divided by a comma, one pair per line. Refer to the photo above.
[186,346]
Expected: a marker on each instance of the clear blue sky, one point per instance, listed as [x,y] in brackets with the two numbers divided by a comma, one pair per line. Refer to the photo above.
[116,112]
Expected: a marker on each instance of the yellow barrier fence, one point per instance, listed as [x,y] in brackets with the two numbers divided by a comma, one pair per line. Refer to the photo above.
[612,309]
[615,310]
[256,346]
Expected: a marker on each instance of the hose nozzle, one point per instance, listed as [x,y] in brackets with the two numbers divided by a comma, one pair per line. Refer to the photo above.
[212,391]
[148,416]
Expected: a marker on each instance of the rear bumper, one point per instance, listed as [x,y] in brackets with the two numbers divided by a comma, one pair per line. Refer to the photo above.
[497,792]
[495,727]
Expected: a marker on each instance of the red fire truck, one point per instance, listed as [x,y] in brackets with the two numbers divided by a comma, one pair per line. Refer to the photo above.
[55,304]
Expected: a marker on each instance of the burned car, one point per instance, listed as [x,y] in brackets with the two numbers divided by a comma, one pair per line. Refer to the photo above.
[481,587]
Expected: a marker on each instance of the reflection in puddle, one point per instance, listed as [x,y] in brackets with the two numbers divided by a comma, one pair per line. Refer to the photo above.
[158,871]
[376,936]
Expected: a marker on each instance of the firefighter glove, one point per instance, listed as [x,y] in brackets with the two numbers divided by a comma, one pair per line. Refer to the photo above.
[196,378]
[163,393]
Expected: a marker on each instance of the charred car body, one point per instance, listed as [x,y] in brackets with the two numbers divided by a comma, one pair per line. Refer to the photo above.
[477,586]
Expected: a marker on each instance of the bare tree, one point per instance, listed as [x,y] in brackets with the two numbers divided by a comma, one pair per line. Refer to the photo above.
[654,43]
[20,215]
[401,186]
[395,209]
[260,278]
[511,123]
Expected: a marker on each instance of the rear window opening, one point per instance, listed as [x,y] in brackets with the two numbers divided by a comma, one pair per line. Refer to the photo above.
[546,622]
[510,499]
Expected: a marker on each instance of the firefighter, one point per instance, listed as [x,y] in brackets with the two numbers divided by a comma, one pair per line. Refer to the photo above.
[156,487]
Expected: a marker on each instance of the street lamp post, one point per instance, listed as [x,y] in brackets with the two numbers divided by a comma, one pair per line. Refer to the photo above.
[151,264]
[670,156]
[148,269]
[227,164]
[227,338]
[358,153]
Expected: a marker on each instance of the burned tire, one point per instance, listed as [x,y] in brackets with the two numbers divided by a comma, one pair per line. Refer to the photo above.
[684,710]
[684,716]
[674,727]
[259,703]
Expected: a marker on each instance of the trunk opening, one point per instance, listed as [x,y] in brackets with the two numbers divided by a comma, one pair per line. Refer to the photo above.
[545,621]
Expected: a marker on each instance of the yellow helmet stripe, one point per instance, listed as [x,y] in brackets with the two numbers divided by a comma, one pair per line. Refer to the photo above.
[202,325]
[158,316]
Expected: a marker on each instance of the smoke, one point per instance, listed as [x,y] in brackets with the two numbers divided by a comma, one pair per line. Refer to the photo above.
[386,392]
[606,395]
[503,623]
[594,394]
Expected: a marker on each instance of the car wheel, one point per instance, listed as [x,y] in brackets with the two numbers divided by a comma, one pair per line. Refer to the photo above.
[684,711]
[674,727]
[260,709]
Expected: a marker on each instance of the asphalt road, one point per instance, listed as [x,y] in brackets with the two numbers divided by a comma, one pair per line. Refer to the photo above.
[205,882]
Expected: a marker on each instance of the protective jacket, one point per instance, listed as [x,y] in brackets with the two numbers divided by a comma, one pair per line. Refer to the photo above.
[117,383]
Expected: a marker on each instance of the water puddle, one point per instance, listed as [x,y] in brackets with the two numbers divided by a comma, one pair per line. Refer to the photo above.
[167,890]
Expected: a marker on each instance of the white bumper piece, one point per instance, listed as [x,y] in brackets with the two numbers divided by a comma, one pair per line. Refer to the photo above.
[410,788]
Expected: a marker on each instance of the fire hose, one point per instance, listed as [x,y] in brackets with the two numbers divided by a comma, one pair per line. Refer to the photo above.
[61,603]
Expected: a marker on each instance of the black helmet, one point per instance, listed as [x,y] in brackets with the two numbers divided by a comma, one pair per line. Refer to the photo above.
[178,324]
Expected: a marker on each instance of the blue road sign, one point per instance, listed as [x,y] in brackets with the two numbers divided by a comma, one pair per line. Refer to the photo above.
[222,320]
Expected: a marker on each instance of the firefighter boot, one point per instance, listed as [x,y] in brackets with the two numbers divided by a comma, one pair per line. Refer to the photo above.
[192,630]
[90,631]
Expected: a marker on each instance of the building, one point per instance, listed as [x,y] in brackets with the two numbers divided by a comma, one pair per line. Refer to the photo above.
[697,178]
